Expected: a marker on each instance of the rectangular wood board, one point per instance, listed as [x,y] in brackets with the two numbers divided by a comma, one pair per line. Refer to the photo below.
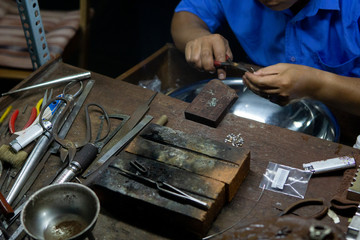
[192,165]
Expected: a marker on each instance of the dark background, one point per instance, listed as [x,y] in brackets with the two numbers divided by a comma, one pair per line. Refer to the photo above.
[123,32]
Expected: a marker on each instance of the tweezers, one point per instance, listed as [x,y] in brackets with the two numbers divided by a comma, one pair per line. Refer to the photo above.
[165,188]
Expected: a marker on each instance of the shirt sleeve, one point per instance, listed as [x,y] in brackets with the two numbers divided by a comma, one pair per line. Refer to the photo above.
[210,11]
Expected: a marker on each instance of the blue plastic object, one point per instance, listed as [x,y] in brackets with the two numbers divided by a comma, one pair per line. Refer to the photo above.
[34,32]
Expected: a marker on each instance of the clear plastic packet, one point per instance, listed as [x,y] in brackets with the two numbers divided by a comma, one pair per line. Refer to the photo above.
[286,180]
[152,84]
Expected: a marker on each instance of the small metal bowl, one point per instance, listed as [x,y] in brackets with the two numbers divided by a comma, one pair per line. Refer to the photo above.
[307,116]
[61,211]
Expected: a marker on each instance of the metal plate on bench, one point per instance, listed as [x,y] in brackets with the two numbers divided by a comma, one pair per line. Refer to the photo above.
[307,116]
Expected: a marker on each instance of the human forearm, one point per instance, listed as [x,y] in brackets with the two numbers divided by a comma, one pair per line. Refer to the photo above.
[192,36]
[185,27]
[338,91]
[283,82]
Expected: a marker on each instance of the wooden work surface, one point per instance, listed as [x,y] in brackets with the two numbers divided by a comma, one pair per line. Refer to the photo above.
[266,143]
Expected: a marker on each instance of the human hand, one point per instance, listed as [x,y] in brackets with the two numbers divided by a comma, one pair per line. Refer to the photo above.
[282,82]
[201,53]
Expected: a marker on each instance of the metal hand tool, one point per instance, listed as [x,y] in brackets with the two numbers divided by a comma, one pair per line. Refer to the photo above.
[71,118]
[40,148]
[230,63]
[47,97]
[31,162]
[35,130]
[134,119]
[101,144]
[29,135]
[67,79]
[5,209]
[66,126]
[103,161]
[14,117]
[63,132]
[55,146]
[165,188]
[82,159]
[34,117]
[88,153]
[69,147]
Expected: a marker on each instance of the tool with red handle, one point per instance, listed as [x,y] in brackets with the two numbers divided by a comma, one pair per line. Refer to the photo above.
[14,116]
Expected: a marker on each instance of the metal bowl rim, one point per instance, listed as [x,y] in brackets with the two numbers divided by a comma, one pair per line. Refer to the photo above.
[44,189]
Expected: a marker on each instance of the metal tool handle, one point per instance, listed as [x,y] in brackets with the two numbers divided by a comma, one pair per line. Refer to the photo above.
[86,155]
[82,160]
[175,192]
[33,159]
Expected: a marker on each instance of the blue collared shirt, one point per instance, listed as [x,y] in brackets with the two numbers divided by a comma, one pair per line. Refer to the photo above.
[325,34]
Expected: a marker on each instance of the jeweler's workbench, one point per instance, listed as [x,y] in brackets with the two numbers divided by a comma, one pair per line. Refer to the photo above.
[266,144]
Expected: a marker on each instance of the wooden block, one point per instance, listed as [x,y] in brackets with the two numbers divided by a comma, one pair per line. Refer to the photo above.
[205,157]
[206,169]
[137,195]
[209,147]
[211,105]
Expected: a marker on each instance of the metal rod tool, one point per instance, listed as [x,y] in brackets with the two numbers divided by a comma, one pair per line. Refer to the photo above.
[76,77]
[42,145]
[31,162]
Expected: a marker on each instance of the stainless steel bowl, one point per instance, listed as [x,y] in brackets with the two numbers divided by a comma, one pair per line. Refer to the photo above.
[307,116]
[61,211]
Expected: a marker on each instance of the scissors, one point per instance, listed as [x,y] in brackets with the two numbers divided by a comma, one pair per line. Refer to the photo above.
[65,109]
[69,148]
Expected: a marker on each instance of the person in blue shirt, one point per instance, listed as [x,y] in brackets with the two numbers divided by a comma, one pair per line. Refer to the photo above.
[307,48]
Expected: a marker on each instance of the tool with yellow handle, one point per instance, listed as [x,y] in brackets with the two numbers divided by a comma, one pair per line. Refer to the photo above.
[5,114]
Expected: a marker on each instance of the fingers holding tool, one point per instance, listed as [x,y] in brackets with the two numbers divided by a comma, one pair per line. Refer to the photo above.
[230,64]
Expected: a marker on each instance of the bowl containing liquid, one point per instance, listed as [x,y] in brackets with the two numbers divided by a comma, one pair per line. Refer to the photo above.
[61,211]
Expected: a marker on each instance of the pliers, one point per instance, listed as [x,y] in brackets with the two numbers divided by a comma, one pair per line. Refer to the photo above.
[236,65]
[34,113]
[308,202]
[14,116]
